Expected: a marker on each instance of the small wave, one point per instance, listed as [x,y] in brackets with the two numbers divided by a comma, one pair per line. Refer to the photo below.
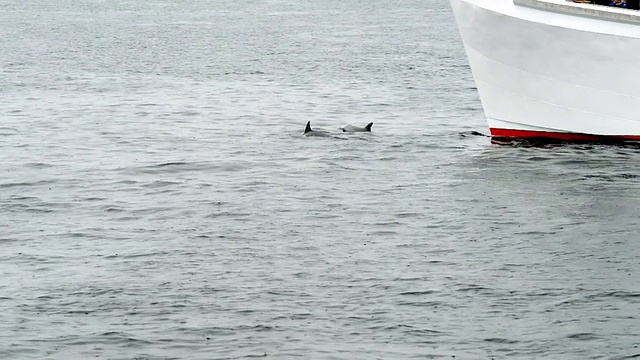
[288,293]
[408,215]
[391,327]
[423,332]
[632,296]
[21,197]
[410,279]
[39,165]
[111,208]
[77,234]
[140,255]
[160,183]
[45,297]
[429,304]
[186,113]
[258,328]
[93,198]
[177,163]
[36,210]
[634,356]
[256,356]
[25,184]
[407,329]
[424,292]
[501,341]
[439,262]
[472,133]
[79,312]
[174,167]
[228,214]
[388,223]
[538,158]
[473,288]
[609,177]
[113,337]
[583,336]
[622,294]
[126,182]
[93,292]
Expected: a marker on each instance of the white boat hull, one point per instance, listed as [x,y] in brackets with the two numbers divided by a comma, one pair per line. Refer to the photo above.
[541,73]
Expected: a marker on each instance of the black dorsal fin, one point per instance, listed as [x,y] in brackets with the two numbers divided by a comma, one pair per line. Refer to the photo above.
[308,127]
[368,127]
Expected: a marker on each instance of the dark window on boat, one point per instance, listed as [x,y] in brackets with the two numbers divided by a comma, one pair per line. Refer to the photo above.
[628,4]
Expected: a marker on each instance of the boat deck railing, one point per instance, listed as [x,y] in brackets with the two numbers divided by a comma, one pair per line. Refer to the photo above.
[584,9]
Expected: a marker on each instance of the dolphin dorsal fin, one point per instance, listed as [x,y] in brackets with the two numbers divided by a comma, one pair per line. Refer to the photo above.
[368,127]
[308,127]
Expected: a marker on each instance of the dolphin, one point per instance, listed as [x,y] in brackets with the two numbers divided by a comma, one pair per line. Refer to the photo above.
[310,132]
[351,128]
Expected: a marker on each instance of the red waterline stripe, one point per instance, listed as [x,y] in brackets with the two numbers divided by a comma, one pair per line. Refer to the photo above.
[527,134]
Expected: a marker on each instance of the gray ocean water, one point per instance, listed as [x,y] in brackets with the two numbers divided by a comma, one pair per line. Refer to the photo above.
[157,199]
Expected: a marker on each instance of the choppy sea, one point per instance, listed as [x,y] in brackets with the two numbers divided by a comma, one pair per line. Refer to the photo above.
[158,199]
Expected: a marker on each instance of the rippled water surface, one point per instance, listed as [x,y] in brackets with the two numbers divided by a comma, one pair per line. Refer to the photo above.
[158,199]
